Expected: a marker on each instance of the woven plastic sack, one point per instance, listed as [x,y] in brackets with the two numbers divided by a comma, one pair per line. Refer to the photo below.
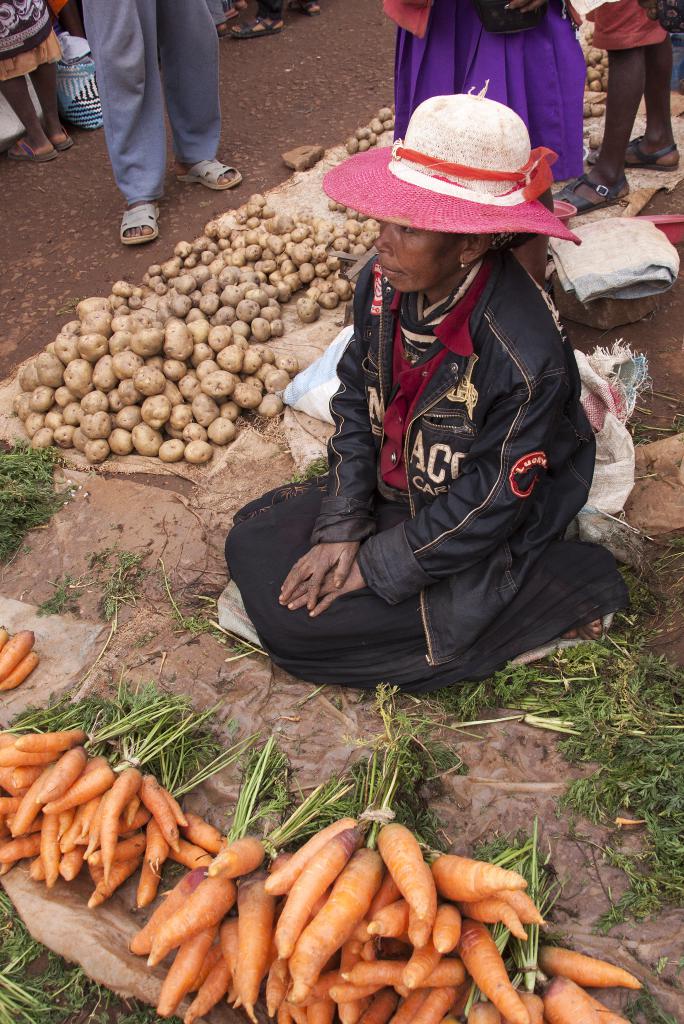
[311,390]
[77,94]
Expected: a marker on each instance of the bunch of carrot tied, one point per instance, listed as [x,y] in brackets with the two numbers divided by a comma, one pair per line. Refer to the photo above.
[65,810]
[340,931]
[17,657]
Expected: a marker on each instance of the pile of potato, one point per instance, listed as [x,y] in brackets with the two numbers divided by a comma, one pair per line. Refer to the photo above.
[166,369]
[121,380]
[597,78]
[367,135]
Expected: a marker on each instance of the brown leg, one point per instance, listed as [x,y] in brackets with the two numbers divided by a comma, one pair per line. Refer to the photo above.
[70,19]
[15,91]
[658,72]
[44,80]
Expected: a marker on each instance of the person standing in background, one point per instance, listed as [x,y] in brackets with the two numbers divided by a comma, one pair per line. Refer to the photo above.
[28,46]
[269,19]
[639,64]
[539,73]
[129,40]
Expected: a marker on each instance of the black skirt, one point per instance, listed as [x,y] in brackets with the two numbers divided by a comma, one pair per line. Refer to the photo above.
[361,640]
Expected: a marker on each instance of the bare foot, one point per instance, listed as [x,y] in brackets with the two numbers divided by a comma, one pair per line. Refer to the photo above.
[589,631]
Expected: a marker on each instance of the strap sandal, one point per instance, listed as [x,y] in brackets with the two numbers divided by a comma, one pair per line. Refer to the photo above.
[66,143]
[308,7]
[650,160]
[209,174]
[608,195]
[256,29]
[143,216]
[25,154]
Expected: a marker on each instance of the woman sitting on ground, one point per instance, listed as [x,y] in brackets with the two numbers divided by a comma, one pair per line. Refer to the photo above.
[433,551]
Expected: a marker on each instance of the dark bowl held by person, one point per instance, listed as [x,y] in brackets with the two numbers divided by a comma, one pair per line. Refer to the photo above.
[433,550]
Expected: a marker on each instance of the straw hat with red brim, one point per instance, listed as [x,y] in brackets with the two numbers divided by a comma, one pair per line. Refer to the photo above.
[465,167]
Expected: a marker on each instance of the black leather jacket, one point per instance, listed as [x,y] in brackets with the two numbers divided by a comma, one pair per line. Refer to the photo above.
[499,458]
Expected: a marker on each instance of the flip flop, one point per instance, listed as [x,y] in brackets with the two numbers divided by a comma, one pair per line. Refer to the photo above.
[650,160]
[28,155]
[208,172]
[61,147]
[256,29]
[143,216]
[609,194]
[223,30]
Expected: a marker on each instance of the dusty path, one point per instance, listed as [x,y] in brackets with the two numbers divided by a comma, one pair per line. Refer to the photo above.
[314,83]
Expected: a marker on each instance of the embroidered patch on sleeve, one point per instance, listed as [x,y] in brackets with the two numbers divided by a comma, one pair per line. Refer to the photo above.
[376,306]
[525,473]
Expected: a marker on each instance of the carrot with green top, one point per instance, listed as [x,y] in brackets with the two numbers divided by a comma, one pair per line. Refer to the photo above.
[203,908]
[239,858]
[155,800]
[256,913]
[184,970]
[126,785]
[283,876]
[492,911]
[141,944]
[586,971]
[447,929]
[49,848]
[567,1003]
[201,833]
[483,962]
[210,992]
[403,856]
[97,778]
[65,771]
[460,878]
[50,742]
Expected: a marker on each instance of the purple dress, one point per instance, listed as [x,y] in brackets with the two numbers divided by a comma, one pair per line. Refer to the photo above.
[539,73]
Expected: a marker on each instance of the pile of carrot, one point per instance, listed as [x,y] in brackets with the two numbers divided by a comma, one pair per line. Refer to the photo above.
[65,810]
[17,657]
[338,931]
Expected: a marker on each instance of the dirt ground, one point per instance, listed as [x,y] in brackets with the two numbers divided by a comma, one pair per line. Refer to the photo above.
[72,250]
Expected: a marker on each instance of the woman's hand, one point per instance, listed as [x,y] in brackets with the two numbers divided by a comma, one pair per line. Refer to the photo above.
[331,563]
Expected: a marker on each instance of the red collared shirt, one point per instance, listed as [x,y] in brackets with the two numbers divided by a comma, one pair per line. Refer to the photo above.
[411,381]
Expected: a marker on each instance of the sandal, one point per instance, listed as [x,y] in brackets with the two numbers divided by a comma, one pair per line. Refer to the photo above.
[143,216]
[650,160]
[66,143]
[25,154]
[257,28]
[308,7]
[223,30]
[208,173]
[609,195]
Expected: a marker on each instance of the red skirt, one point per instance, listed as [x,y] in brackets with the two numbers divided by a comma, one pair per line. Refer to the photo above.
[624,25]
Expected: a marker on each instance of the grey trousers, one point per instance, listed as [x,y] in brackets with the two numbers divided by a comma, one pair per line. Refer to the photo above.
[217,9]
[126,37]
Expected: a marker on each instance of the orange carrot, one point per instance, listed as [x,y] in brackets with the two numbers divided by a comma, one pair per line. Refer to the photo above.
[10,757]
[95,829]
[447,930]
[130,812]
[66,820]
[522,904]
[390,921]
[204,908]
[447,973]
[154,799]
[28,809]
[386,894]
[283,877]
[381,1008]
[63,775]
[50,742]
[485,966]
[404,859]
[409,1007]
[322,1012]
[584,970]
[22,778]
[36,871]
[190,856]
[126,786]
[9,804]
[71,864]
[419,929]
[14,651]
[127,849]
[439,1001]
[312,883]
[20,672]
[491,911]
[460,878]
[183,971]
[347,905]
[141,944]
[256,912]
[604,1015]
[208,964]
[201,833]
[49,848]
[72,837]
[210,992]
[567,1003]
[345,992]
[156,852]
[97,778]
[118,874]
[369,951]
[534,1006]
[238,858]
[484,1013]
[7,783]
[142,816]
[351,1012]
[17,849]
[297,1015]
[228,937]
[276,986]
[421,965]
[148,886]
[176,809]
[4,637]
